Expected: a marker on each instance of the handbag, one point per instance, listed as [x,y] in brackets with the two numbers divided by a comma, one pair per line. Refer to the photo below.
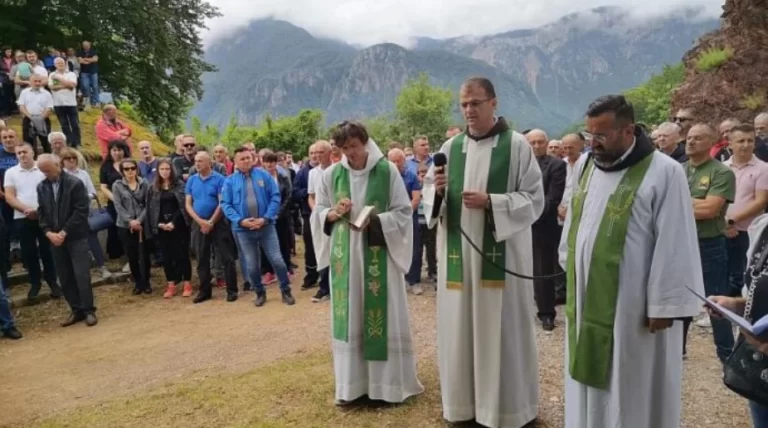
[746,370]
[99,218]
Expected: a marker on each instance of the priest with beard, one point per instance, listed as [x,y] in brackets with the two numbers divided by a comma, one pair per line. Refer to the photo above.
[490,189]
[630,251]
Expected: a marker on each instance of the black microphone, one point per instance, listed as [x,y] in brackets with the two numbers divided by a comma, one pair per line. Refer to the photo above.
[439,160]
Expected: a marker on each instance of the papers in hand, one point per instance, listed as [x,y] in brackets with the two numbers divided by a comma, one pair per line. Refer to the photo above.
[758,329]
[362,217]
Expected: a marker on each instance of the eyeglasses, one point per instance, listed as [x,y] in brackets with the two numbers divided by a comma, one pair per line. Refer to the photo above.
[189,145]
[129,168]
[681,119]
[473,104]
[596,137]
[70,158]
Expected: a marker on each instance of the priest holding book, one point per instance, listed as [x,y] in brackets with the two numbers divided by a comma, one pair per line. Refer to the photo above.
[362,205]
[491,189]
[630,250]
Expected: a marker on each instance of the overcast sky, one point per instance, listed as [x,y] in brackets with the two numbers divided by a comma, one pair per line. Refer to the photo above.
[369,22]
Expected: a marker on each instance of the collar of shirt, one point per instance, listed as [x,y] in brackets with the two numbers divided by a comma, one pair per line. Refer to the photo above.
[624,156]
[751,162]
[34,167]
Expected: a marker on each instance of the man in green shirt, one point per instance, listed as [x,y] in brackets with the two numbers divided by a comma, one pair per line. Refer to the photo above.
[713,187]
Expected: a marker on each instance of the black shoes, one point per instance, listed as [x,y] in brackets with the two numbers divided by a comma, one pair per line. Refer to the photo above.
[12,333]
[321,296]
[288,298]
[90,319]
[200,298]
[231,297]
[548,323]
[261,298]
[73,319]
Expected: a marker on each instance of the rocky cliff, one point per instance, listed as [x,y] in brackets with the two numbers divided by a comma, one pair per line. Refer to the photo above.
[737,87]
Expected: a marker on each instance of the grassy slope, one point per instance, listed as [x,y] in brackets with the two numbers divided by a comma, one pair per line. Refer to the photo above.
[90,145]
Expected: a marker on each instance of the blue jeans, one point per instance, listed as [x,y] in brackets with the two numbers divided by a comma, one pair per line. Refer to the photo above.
[414,274]
[251,242]
[737,262]
[6,317]
[759,415]
[89,84]
[714,265]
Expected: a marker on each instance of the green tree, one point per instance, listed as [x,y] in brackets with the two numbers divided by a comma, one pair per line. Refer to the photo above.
[384,129]
[150,52]
[423,109]
[653,99]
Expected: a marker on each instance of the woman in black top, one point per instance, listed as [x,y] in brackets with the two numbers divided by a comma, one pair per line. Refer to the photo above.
[170,225]
[755,305]
[108,174]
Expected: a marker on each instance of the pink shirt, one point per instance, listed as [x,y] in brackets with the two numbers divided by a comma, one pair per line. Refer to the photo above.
[750,177]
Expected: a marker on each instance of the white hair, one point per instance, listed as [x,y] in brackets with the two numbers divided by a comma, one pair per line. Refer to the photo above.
[669,127]
[539,131]
[762,116]
[56,134]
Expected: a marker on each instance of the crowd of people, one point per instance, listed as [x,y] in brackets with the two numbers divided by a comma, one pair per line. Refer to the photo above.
[670,210]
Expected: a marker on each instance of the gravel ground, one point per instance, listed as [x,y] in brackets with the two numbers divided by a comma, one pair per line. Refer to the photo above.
[145,343]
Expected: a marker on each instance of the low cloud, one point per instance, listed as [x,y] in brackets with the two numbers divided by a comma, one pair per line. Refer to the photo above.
[367,22]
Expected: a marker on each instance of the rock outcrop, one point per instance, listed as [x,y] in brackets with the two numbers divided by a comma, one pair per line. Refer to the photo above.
[739,87]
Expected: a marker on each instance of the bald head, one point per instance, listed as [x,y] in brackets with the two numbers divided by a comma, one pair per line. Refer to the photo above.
[322,152]
[539,142]
[668,136]
[49,165]
[572,146]
[397,157]
[701,137]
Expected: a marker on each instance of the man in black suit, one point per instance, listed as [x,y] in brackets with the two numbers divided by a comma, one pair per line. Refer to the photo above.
[546,230]
[63,216]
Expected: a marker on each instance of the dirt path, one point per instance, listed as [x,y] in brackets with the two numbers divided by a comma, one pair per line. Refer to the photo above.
[138,346]
[144,343]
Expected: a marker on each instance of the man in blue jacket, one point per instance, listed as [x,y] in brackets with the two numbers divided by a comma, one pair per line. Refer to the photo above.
[250,200]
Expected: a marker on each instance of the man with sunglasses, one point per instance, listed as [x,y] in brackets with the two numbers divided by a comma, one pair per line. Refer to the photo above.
[182,164]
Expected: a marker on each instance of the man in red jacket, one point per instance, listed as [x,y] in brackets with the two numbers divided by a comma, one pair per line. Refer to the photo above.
[109,128]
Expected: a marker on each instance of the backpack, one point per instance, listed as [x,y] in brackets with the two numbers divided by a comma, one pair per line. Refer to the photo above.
[25,70]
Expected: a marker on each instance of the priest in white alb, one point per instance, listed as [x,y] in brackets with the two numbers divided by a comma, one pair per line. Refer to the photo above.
[491,189]
[630,250]
[373,354]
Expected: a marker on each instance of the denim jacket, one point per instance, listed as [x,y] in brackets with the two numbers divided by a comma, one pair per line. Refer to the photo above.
[234,201]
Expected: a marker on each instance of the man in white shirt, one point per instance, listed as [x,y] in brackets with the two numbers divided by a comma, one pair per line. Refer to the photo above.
[21,194]
[63,85]
[323,152]
[36,104]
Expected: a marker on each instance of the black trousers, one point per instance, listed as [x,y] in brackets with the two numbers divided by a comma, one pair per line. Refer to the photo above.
[70,124]
[310,263]
[175,246]
[138,257]
[75,275]
[7,99]
[325,285]
[429,241]
[283,228]
[5,241]
[26,132]
[219,239]
[35,247]
[545,261]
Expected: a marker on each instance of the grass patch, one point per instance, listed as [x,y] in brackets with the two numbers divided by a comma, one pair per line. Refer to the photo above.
[295,392]
[90,144]
[713,58]
[754,102]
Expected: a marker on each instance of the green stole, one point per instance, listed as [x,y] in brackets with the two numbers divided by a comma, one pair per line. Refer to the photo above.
[498,175]
[374,265]
[591,351]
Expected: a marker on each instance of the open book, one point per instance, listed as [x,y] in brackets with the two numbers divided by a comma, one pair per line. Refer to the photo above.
[362,217]
[758,329]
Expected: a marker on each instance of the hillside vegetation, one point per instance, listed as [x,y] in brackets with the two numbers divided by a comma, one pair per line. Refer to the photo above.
[90,144]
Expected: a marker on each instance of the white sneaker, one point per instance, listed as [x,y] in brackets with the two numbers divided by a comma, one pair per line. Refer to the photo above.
[704,322]
[416,289]
[127,268]
[104,272]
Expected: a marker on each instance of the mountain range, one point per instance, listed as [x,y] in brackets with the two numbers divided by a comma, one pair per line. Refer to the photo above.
[544,77]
